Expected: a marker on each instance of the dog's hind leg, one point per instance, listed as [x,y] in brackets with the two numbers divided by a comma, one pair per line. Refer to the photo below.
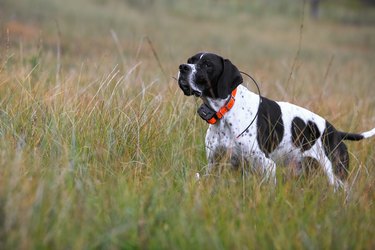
[340,160]
[317,152]
[328,169]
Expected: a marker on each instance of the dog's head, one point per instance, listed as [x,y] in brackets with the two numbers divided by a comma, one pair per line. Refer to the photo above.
[209,75]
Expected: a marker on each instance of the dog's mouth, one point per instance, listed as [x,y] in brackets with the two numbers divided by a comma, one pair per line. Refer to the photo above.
[185,87]
[197,93]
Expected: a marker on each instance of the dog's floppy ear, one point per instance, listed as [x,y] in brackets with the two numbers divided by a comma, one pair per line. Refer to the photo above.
[229,80]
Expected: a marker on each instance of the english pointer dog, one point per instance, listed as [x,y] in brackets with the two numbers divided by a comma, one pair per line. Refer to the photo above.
[281,132]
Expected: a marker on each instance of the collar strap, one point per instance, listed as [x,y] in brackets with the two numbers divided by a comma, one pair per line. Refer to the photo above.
[212,117]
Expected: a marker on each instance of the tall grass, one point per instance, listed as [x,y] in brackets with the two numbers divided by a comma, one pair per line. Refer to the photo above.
[102,151]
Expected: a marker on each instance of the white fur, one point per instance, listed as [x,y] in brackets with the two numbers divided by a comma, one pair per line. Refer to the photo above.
[202,56]
[369,134]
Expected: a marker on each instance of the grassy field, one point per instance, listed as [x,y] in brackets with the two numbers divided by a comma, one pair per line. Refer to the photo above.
[99,147]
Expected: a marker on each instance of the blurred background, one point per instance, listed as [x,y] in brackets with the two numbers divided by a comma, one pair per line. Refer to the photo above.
[249,31]
[285,43]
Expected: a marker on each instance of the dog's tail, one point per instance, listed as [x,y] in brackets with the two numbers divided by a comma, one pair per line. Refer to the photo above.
[357,137]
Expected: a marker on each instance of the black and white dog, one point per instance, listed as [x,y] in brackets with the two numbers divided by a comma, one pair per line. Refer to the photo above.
[281,131]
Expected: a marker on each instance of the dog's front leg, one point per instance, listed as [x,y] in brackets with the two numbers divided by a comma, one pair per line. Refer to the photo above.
[270,170]
[210,165]
[211,158]
[221,154]
[266,166]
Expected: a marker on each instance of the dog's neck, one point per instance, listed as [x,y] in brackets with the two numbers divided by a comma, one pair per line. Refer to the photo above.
[215,103]
[215,109]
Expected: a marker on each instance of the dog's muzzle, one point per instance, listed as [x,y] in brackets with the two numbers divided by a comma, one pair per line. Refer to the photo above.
[183,77]
[183,81]
[184,86]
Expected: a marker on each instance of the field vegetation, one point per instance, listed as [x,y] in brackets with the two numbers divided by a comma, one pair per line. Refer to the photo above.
[99,147]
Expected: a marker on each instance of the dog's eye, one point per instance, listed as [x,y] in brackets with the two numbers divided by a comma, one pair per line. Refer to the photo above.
[207,64]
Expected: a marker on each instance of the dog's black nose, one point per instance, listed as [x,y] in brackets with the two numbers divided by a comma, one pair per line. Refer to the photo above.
[184,68]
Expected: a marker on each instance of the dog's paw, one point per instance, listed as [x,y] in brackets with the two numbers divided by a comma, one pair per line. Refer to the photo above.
[339,185]
[197,176]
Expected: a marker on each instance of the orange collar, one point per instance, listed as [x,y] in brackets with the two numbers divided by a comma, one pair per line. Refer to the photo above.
[223,110]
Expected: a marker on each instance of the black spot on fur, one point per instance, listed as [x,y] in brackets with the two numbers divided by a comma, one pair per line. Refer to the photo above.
[270,126]
[304,135]
[336,151]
